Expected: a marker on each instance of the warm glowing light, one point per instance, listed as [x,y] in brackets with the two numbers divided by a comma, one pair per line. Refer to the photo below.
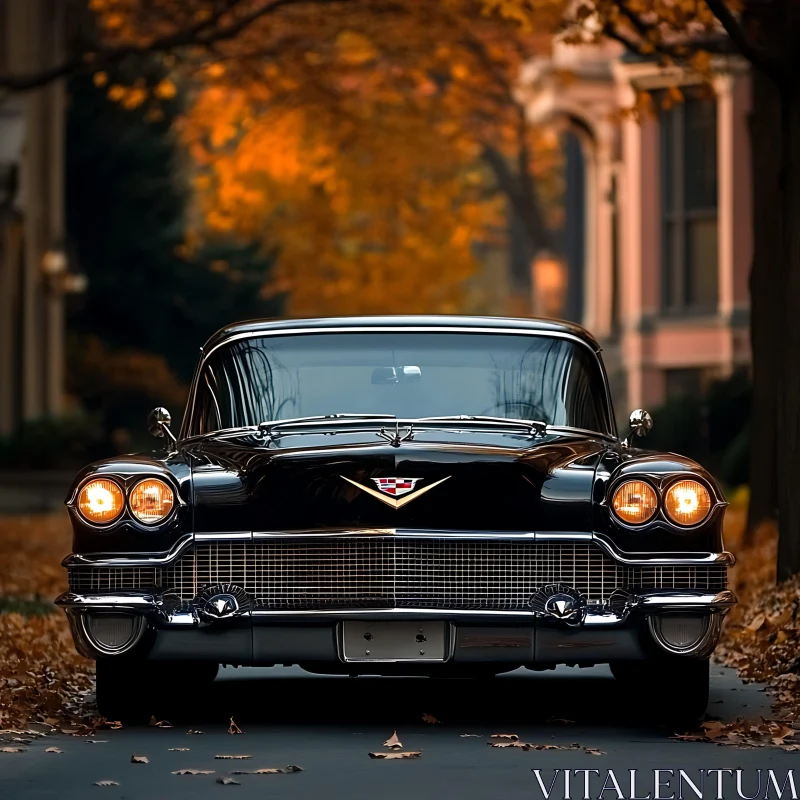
[100,501]
[635,502]
[151,501]
[687,502]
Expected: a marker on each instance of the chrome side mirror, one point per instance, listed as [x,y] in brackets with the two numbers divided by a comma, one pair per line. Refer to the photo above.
[158,422]
[641,424]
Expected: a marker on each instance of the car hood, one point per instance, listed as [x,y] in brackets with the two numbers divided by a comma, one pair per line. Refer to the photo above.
[484,482]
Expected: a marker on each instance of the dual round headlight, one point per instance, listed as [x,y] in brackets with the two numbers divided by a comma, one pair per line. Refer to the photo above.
[101,501]
[686,502]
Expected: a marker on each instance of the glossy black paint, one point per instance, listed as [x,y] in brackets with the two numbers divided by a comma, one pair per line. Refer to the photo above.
[497,481]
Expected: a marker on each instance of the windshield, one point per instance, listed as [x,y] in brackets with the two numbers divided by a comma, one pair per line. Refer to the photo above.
[408,375]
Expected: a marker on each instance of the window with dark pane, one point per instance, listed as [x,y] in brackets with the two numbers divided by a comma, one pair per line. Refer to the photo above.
[689,203]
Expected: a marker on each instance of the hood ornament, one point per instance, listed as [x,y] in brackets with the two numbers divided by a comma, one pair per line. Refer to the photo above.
[394,438]
[391,488]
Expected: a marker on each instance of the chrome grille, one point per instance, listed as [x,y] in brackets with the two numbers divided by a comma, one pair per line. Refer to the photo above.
[394,572]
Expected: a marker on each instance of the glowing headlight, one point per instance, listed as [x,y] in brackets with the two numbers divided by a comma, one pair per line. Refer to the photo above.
[100,501]
[687,502]
[635,502]
[151,500]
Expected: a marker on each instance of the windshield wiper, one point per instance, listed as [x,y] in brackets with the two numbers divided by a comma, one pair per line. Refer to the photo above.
[534,427]
[269,427]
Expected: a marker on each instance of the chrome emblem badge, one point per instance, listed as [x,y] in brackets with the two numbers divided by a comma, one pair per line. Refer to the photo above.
[396,487]
[391,490]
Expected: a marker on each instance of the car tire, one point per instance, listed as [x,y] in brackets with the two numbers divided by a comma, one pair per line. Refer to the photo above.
[134,690]
[669,690]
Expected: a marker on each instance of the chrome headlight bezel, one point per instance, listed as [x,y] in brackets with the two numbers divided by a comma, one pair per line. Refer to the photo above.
[127,484]
[661,484]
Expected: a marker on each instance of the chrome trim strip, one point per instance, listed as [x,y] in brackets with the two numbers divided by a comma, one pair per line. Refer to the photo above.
[159,559]
[188,418]
[155,559]
[382,612]
[123,601]
[680,599]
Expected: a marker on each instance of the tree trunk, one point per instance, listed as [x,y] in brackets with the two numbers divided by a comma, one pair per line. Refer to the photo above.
[765,297]
[789,350]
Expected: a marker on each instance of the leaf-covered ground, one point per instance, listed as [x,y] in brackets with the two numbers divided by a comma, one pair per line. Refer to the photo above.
[42,678]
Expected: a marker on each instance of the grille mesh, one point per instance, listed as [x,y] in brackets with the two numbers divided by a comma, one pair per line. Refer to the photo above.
[398,572]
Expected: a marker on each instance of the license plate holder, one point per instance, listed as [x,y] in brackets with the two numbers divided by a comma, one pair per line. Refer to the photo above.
[365,640]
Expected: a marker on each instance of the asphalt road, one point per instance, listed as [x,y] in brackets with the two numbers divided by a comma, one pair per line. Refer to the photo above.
[328,726]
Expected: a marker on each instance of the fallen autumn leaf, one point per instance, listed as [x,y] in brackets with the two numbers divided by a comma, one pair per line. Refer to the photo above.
[397,754]
[234,728]
[228,781]
[393,741]
[429,718]
[140,760]
[193,772]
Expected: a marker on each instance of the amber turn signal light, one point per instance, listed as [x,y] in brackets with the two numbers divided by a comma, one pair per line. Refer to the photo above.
[100,501]
[687,502]
[635,502]
[151,500]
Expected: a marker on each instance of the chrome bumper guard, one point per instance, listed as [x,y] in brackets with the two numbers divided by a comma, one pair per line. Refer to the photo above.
[218,606]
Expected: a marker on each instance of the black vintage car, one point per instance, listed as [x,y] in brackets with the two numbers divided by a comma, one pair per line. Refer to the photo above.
[398,495]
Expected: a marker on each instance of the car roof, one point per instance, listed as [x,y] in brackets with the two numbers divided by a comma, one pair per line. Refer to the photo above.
[267,326]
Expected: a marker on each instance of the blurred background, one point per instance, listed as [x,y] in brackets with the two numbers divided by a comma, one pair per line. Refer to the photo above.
[167,168]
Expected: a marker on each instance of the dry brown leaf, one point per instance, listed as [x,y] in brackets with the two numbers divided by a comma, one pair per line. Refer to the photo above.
[393,741]
[233,757]
[397,754]
[159,723]
[178,749]
[140,760]
[757,622]
[228,782]
[593,751]
[193,772]
[115,725]
[105,783]
[429,718]
[53,750]
[268,771]
[511,736]
[234,728]
[13,750]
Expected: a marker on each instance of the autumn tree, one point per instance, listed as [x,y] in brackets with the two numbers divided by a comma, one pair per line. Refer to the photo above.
[369,139]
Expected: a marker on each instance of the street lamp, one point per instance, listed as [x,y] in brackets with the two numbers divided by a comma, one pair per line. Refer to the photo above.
[55,268]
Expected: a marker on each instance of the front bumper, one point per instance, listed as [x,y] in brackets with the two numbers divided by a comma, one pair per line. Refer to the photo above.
[629,629]
[283,599]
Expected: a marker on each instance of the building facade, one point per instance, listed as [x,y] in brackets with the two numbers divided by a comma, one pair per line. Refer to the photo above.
[666,225]
[32,261]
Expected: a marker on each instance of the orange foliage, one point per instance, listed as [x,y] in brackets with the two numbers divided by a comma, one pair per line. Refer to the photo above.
[348,135]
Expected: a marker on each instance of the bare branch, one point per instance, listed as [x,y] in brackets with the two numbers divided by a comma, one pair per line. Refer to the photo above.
[203,33]
[760,58]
